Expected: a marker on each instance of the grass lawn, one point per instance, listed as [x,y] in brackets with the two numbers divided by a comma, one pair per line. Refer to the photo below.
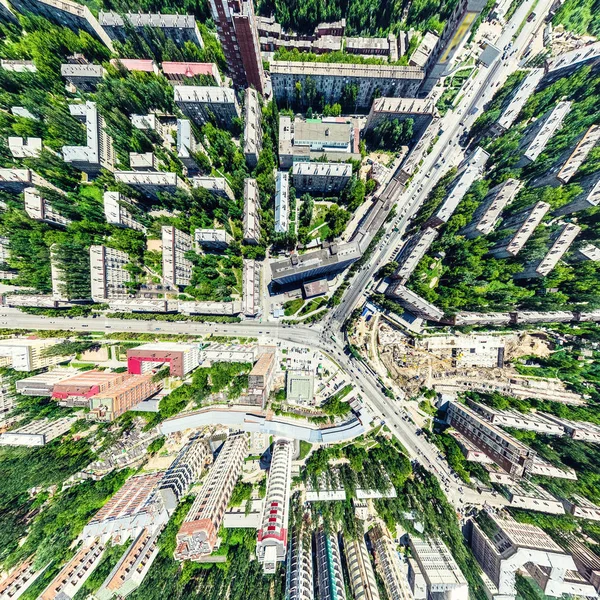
[291,307]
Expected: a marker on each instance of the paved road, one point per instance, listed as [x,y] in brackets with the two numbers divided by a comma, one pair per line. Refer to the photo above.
[328,335]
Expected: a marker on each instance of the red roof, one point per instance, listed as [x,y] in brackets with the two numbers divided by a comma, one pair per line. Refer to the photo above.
[135,64]
[188,69]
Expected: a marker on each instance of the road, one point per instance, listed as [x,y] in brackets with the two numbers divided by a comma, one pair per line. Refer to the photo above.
[328,335]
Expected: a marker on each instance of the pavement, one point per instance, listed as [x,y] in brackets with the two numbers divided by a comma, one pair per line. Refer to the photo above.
[328,335]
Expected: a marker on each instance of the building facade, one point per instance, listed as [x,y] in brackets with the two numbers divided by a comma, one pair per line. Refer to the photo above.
[205,104]
[181,358]
[176,268]
[109,276]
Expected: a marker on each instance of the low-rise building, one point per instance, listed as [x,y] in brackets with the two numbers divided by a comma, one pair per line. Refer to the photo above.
[425,52]
[329,260]
[30,147]
[217,185]
[202,104]
[252,127]
[116,212]
[442,576]
[251,288]
[251,214]
[37,433]
[135,507]
[521,226]
[143,161]
[82,76]
[186,72]
[579,154]
[568,62]
[187,144]
[527,496]
[581,507]
[300,386]
[330,577]
[282,202]
[248,515]
[260,380]
[488,213]
[412,252]
[98,153]
[388,564]
[420,111]
[109,277]
[588,252]
[413,302]
[141,65]
[184,471]
[151,183]
[471,350]
[75,573]
[43,384]
[228,353]
[176,268]
[197,535]
[23,354]
[360,570]
[108,405]
[39,208]
[272,540]
[321,177]
[78,389]
[311,289]
[217,239]
[181,358]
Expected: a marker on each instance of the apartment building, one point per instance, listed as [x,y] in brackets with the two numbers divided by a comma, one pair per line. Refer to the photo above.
[299,577]
[15,180]
[197,535]
[228,353]
[216,185]
[152,183]
[107,406]
[388,565]
[522,225]
[581,507]
[260,380]
[470,171]
[109,276]
[579,155]
[413,302]
[82,76]
[237,28]
[425,52]
[282,202]
[252,127]
[176,268]
[330,577]
[75,573]
[30,147]
[43,384]
[488,213]
[187,144]
[37,433]
[98,153]
[420,111]
[143,162]
[135,507]
[525,495]
[203,104]
[79,388]
[506,451]
[569,62]
[251,288]
[588,199]
[40,209]
[251,214]
[28,355]
[178,28]
[431,559]
[272,540]
[514,546]
[588,563]
[412,252]
[116,213]
[518,100]
[330,79]
[19,580]
[216,239]
[563,239]
[360,570]
[131,569]
[182,72]
[321,177]
[184,471]
[181,358]
[552,123]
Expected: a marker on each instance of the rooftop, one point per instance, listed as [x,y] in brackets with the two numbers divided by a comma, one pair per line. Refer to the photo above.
[345,70]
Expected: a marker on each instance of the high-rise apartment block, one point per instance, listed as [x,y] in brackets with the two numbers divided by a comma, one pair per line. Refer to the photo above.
[330,577]
[203,104]
[98,153]
[388,564]
[198,534]
[184,470]
[108,273]
[299,577]
[433,565]
[282,202]
[272,538]
[177,269]
[251,214]
[238,33]
[78,389]
[360,570]
[19,580]
[116,212]
[107,406]
[181,358]
[28,355]
[40,209]
[252,127]
[260,379]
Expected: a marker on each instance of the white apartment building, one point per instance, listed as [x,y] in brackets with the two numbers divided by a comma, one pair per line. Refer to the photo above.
[251,214]
[177,269]
[217,185]
[28,355]
[388,564]
[299,579]
[151,183]
[202,104]
[25,147]
[109,275]
[551,125]
[39,208]
[117,214]
[282,202]
[360,570]
[271,545]
[252,127]
[579,154]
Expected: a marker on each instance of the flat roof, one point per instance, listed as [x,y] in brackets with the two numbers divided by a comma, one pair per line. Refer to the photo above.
[263,364]
[345,70]
[322,132]
[328,256]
